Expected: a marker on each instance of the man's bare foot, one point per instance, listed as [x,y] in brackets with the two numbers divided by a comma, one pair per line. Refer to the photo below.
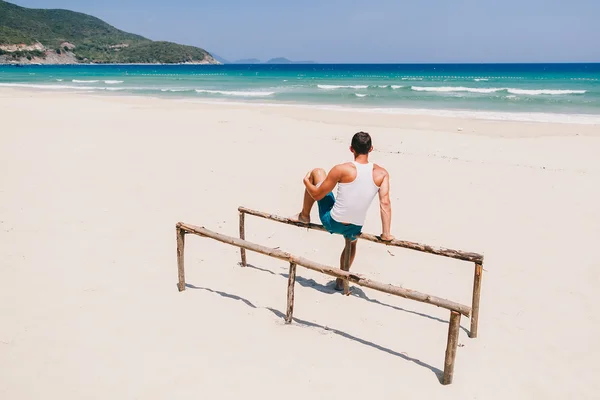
[339,284]
[300,218]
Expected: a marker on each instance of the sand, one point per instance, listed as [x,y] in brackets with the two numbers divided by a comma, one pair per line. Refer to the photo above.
[91,187]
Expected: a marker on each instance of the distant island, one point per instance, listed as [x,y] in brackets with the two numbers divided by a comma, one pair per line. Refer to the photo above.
[38,36]
[278,60]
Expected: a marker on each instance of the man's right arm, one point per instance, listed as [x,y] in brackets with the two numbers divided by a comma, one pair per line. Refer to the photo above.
[385,207]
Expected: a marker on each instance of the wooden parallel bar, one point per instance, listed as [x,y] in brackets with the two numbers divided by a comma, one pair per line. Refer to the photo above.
[335,272]
[440,251]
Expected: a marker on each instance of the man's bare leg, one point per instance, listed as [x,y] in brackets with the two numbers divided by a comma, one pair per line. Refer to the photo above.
[339,283]
[317,176]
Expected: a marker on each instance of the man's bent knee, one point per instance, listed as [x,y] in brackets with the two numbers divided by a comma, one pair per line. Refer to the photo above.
[317,175]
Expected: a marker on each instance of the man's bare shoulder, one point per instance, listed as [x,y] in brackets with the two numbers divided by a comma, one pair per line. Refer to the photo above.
[378,169]
[345,165]
[379,174]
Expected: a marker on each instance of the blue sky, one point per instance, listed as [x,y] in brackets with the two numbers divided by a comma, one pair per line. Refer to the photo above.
[363,30]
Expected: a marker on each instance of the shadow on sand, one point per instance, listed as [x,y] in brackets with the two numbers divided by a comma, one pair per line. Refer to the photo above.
[355,291]
[438,373]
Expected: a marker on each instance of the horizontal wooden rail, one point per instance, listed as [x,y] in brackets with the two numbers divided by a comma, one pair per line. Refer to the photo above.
[455,309]
[335,272]
[440,251]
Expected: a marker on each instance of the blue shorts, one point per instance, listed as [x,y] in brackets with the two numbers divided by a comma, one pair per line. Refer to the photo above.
[349,231]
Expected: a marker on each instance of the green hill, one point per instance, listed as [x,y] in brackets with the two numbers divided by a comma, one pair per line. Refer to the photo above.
[81,38]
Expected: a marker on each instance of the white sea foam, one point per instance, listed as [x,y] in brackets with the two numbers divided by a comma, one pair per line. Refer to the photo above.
[84,81]
[454,89]
[544,91]
[390,86]
[59,80]
[360,95]
[534,92]
[235,93]
[109,82]
[51,87]
[481,80]
[175,90]
[332,87]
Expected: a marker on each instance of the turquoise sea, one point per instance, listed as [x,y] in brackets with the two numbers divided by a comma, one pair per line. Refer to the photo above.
[522,91]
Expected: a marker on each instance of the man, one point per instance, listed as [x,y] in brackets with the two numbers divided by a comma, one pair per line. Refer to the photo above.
[358,182]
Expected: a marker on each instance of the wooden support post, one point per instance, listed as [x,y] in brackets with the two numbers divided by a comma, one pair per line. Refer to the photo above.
[243,237]
[180,249]
[290,294]
[476,297]
[453,330]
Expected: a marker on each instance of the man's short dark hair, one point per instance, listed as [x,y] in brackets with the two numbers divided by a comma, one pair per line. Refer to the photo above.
[361,143]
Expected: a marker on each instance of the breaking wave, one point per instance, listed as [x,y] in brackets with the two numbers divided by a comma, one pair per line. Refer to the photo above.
[332,87]
[235,93]
[533,92]
[544,91]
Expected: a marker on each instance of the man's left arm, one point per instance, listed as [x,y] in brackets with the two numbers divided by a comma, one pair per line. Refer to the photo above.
[327,186]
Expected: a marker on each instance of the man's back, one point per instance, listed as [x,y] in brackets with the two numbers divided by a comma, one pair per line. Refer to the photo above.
[358,184]
[349,173]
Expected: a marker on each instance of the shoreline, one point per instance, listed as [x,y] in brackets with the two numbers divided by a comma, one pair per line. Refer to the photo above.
[526,117]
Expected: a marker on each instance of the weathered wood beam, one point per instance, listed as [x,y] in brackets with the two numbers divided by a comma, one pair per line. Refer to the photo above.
[180,249]
[451,346]
[440,251]
[476,298]
[290,294]
[335,272]
[243,237]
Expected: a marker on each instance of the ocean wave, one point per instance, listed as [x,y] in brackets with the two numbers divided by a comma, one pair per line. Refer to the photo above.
[109,82]
[332,87]
[59,80]
[481,80]
[52,87]
[544,91]
[360,95]
[176,90]
[235,93]
[387,86]
[84,81]
[454,89]
[531,92]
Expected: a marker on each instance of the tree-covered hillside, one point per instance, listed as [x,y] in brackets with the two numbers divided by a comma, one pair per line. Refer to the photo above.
[93,39]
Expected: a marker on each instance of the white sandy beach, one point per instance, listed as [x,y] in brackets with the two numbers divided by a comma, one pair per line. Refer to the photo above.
[91,188]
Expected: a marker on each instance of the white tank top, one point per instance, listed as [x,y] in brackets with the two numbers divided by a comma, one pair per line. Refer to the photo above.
[354,198]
